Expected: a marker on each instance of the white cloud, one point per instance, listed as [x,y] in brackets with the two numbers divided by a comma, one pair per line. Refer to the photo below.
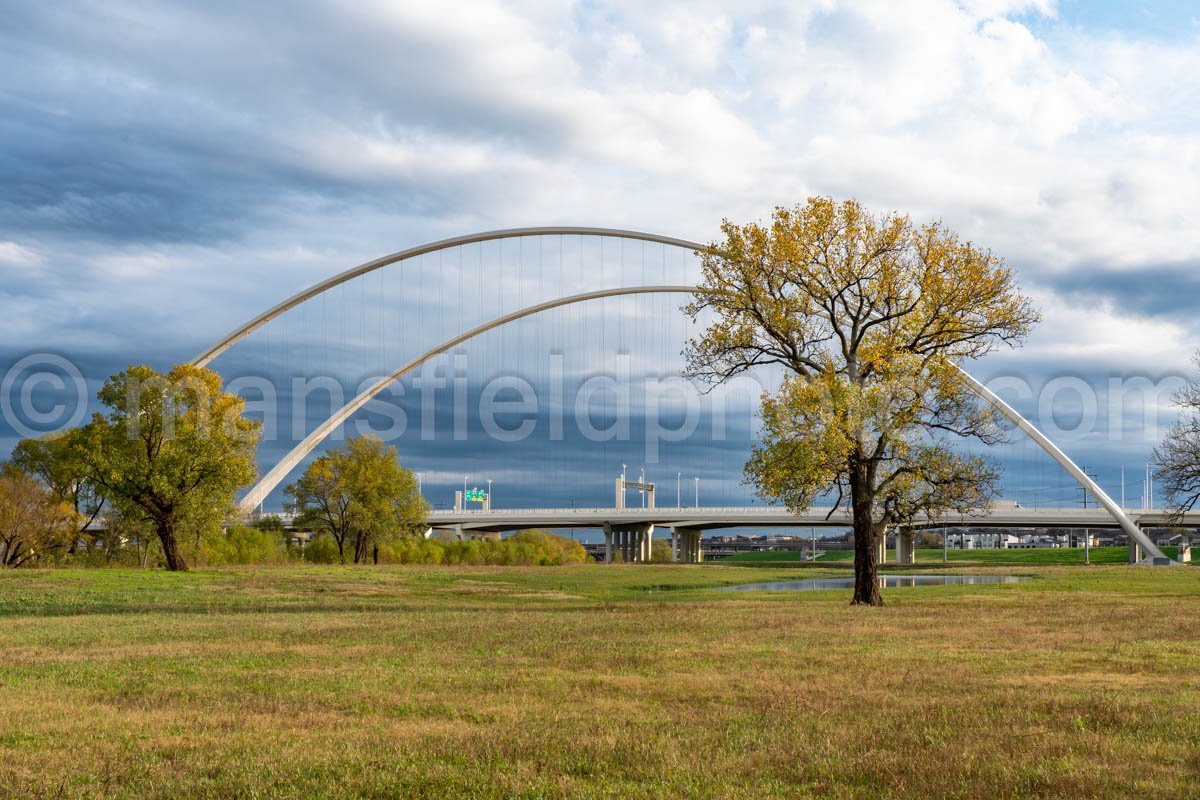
[374,126]
[19,256]
[1104,336]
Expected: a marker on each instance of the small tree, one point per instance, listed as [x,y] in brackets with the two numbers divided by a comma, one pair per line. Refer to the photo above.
[1177,458]
[868,316]
[360,496]
[33,522]
[174,449]
[60,461]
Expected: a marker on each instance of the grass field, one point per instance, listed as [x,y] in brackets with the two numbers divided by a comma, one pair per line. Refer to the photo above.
[593,681]
[1065,555]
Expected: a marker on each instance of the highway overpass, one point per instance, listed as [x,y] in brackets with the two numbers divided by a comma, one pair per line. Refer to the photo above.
[705,518]
[629,531]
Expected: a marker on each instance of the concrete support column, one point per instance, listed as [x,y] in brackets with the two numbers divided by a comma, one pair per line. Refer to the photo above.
[881,548]
[1184,556]
[674,547]
[686,545]
[608,543]
[633,543]
[1135,551]
[905,546]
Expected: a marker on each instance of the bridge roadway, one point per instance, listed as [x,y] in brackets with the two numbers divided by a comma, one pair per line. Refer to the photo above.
[706,518]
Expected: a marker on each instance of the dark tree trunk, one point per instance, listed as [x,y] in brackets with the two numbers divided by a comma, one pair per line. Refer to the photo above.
[866,539]
[375,554]
[170,546]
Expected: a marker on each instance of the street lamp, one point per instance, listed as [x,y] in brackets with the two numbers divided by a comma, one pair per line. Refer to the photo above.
[465,479]
[697,492]
[489,499]
[643,489]
[678,478]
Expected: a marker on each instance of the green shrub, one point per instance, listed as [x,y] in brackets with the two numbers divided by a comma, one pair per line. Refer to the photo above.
[242,545]
[543,547]
[526,548]
[321,550]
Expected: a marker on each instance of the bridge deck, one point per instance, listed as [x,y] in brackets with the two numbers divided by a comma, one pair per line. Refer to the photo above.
[757,517]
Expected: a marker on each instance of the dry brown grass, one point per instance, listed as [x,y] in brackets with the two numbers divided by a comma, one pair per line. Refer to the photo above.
[594,682]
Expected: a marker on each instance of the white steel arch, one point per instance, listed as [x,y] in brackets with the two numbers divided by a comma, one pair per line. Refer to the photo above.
[237,334]
[280,471]
[275,476]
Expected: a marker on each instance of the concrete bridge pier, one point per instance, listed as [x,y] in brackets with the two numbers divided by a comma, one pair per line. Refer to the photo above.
[906,551]
[1135,551]
[881,548]
[685,546]
[632,542]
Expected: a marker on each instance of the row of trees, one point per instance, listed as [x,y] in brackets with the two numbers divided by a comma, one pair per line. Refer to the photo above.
[164,462]
[164,459]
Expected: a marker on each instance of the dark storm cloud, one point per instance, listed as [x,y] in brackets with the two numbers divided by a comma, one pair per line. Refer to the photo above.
[1168,290]
[157,123]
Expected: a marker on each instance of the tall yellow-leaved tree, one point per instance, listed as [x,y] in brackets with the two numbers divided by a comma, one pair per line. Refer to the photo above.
[868,314]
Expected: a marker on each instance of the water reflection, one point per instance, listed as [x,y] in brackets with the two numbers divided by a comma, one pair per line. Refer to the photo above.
[885,582]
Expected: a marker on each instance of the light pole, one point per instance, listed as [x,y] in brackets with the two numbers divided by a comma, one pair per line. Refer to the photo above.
[678,478]
[465,479]
[489,500]
[643,489]
[697,493]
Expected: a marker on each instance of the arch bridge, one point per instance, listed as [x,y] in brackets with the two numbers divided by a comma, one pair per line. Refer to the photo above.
[1115,514]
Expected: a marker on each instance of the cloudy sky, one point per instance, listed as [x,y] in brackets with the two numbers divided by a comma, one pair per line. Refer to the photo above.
[168,170]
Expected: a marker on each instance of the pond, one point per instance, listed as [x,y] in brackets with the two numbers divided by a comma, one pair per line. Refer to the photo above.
[885,582]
